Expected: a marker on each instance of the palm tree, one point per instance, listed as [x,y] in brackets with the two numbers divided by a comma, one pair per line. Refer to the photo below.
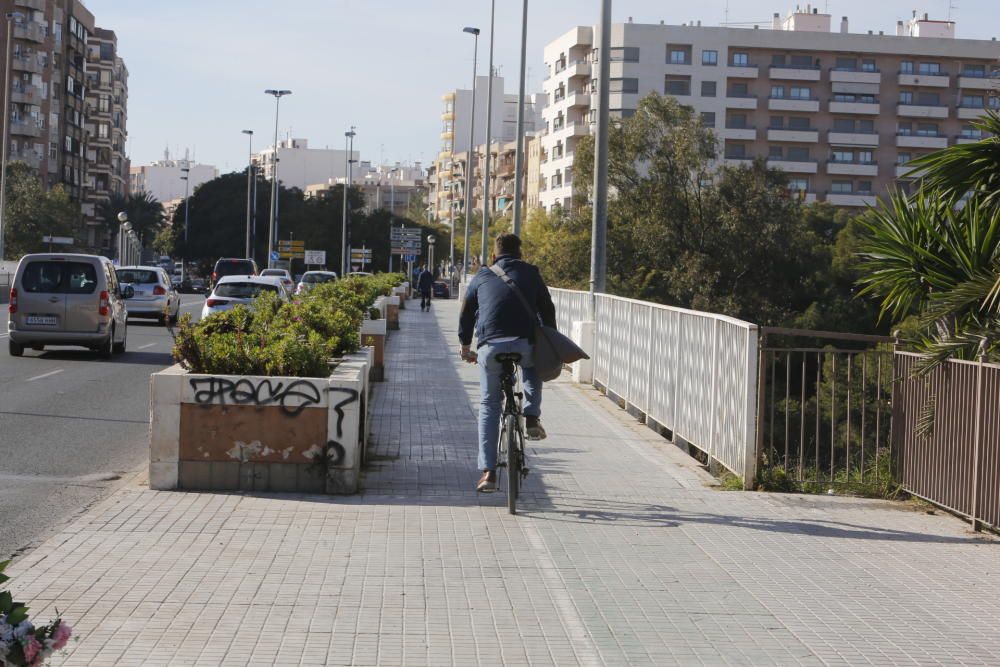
[966,169]
[144,212]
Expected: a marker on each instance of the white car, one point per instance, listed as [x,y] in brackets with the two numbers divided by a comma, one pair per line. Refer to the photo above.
[155,295]
[232,291]
[312,278]
[284,275]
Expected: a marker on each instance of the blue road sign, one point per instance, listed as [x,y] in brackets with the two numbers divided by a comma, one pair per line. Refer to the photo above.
[409,258]
[275,255]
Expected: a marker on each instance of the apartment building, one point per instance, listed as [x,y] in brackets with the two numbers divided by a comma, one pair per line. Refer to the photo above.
[300,166]
[386,187]
[56,51]
[446,175]
[164,179]
[842,113]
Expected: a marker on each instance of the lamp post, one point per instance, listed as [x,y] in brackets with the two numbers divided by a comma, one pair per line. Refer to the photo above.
[519,151]
[11,18]
[187,183]
[430,253]
[123,226]
[392,210]
[599,224]
[273,226]
[249,189]
[472,149]
[349,143]
[487,204]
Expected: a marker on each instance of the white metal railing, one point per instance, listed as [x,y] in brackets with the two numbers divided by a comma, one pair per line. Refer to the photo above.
[693,373]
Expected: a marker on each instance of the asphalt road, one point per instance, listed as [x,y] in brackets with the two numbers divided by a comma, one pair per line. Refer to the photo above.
[71,425]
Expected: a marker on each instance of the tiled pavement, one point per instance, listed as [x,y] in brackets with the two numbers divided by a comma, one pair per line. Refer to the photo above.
[623,555]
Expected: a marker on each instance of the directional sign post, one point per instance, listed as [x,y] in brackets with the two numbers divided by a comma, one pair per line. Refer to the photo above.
[361,258]
[315,257]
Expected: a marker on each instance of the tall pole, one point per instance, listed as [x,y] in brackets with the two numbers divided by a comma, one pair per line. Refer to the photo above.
[273,226]
[6,132]
[519,153]
[468,160]
[249,189]
[599,231]
[187,183]
[349,145]
[487,203]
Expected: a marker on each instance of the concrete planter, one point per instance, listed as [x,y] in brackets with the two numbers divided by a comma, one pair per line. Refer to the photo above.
[373,335]
[392,312]
[253,433]
[403,291]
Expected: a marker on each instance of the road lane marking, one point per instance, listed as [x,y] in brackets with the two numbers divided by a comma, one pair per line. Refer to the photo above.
[143,347]
[45,375]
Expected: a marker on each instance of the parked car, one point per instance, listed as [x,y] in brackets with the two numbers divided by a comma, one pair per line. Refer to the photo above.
[228,266]
[154,293]
[199,286]
[283,275]
[441,290]
[232,291]
[312,278]
[67,299]
[359,273]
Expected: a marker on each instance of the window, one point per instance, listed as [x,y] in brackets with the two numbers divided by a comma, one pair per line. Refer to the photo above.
[866,157]
[738,90]
[776,122]
[798,123]
[741,59]
[708,88]
[805,62]
[709,57]
[974,70]
[708,118]
[927,130]
[929,99]
[104,104]
[630,85]
[842,156]
[775,153]
[737,121]
[625,54]
[778,60]
[841,97]
[865,187]
[906,67]
[847,63]
[48,277]
[969,132]
[841,187]
[736,150]
[798,184]
[675,85]
[777,92]
[798,154]
[929,68]
[905,97]
[868,65]
[867,99]
[843,125]
[800,93]
[679,57]
[903,158]
[904,129]
[102,130]
[972,101]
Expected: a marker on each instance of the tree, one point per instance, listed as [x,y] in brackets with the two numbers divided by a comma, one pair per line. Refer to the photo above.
[416,208]
[32,213]
[143,210]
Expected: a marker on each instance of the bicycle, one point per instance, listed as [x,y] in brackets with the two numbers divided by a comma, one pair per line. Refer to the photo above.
[510,444]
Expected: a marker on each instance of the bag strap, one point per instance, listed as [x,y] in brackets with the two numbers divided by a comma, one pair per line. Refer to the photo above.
[502,275]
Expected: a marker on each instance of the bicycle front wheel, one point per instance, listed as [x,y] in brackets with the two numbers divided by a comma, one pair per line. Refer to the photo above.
[513,461]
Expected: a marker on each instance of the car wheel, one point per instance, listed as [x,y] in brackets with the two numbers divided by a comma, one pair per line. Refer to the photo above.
[15,349]
[106,349]
[119,348]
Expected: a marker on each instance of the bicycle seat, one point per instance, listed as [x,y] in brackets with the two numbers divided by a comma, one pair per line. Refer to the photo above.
[504,357]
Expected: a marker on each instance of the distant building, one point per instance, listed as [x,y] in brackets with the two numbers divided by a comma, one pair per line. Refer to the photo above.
[164,178]
[387,187]
[300,166]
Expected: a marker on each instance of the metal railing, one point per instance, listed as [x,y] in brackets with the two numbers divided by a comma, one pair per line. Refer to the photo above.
[946,435]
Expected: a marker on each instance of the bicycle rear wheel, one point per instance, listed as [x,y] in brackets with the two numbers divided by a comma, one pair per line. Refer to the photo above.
[513,461]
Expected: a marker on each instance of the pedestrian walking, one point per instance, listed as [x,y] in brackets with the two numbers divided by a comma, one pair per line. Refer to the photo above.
[425,284]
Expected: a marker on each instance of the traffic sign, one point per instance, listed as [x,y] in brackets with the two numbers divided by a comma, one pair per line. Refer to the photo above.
[409,258]
[315,257]
[274,255]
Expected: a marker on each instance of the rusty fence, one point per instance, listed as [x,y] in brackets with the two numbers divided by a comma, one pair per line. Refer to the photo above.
[946,436]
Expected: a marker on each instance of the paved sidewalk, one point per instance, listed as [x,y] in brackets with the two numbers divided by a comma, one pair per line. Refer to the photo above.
[623,555]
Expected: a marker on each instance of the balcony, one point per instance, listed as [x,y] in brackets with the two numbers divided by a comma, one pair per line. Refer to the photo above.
[788,104]
[794,73]
[578,99]
[738,160]
[31,158]
[797,136]
[971,113]
[578,129]
[851,168]
[579,68]
[852,138]
[31,4]
[26,94]
[862,199]
[26,64]
[25,128]
[967,82]
[924,80]
[921,141]
[906,171]
[31,31]
[742,71]
[736,102]
[739,133]
[794,166]
[921,111]
[682,69]
[854,76]
[862,108]
[969,139]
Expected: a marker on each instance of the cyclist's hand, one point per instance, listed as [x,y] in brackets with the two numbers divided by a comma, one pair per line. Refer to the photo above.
[468,355]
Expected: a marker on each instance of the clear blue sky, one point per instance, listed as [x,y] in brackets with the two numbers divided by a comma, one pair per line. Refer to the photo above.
[198,69]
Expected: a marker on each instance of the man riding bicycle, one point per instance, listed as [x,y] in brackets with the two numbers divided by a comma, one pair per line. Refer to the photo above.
[502,325]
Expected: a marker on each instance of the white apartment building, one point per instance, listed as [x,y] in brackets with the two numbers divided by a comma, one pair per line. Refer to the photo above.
[841,112]
[164,178]
[300,166]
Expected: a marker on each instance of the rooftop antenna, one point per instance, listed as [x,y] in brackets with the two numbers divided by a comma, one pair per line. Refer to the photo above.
[951,7]
[725,20]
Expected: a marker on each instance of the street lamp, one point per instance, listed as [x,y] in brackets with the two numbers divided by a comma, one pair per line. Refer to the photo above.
[430,253]
[487,202]
[123,226]
[249,188]
[11,18]
[349,144]
[599,222]
[468,162]
[273,227]
[519,150]
[187,182]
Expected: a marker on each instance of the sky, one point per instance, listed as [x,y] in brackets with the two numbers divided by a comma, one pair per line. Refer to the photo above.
[198,69]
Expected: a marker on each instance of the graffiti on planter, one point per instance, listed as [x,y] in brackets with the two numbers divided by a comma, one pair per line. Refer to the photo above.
[292,397]
[244,452]
[352,396]
[331,454]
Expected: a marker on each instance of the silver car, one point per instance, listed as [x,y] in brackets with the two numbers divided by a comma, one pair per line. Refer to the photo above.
[155,294]
[312,278]
[284,275]
[67,299]
[232,291]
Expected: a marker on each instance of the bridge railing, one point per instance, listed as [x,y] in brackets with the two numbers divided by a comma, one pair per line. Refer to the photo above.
[693,373]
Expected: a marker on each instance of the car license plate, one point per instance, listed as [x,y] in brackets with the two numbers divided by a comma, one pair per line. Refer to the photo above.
[42,320]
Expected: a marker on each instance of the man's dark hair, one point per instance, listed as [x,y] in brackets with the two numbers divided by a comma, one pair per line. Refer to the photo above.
[507,244]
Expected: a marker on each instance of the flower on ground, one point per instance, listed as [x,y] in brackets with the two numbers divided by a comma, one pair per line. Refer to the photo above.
[32,647]
[61,634]
[23,629]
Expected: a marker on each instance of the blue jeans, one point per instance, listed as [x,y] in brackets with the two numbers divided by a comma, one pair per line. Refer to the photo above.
[490,404]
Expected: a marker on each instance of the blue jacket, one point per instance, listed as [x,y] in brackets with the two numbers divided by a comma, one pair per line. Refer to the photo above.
[425,281]
[492,310]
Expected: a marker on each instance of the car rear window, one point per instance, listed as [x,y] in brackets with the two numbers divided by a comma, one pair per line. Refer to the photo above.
[137,276]
[273,272]
[234,267]
[316,278]
[53,277]
[243,290]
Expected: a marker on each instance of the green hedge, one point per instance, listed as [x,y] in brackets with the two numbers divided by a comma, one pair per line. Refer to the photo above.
[269,337]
